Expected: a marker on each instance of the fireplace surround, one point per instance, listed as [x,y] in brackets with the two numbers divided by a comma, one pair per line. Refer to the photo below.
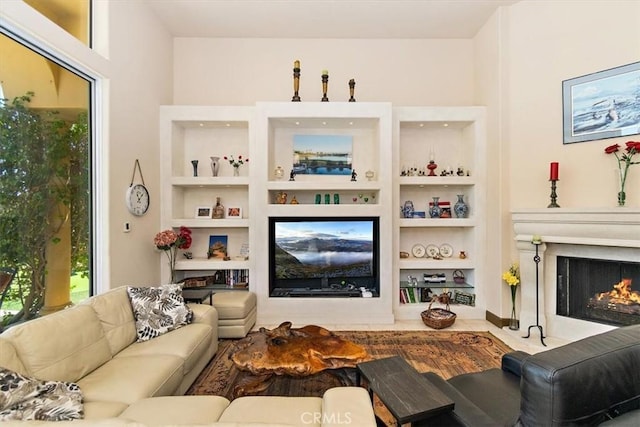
[598,234]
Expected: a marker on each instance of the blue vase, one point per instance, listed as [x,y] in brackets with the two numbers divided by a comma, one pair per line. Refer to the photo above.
[461,209]
[407,209]
[435,210]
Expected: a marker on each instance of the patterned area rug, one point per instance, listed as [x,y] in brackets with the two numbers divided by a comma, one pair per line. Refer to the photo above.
[443,352]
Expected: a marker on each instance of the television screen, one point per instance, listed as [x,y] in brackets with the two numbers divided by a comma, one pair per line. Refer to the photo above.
[323,252]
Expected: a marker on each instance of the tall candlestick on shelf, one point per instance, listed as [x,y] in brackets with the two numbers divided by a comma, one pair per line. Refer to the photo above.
[296,81]
[553,177]
[553,171]
[352,85]
[325,83]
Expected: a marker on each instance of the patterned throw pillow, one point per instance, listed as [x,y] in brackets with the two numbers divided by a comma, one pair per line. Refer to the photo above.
[158,310]
[23,398]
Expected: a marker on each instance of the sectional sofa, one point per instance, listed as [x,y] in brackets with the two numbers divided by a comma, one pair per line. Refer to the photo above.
[92,352]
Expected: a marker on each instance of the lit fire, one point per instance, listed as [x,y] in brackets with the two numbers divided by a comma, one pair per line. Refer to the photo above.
[621,294]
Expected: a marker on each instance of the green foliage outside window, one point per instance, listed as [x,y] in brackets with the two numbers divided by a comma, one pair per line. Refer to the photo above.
[44,182]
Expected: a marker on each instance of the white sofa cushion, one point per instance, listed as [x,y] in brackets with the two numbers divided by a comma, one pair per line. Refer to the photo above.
[190,343]
[295,411]
[129,379]
[63,346]
[163,410]
[113,308]
[158,310]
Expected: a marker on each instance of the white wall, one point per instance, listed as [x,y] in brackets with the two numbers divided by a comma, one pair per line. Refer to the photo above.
[243,71]
[550,42]
[140,53]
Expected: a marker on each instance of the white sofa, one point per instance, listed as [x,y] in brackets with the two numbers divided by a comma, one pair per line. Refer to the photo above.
[125,382]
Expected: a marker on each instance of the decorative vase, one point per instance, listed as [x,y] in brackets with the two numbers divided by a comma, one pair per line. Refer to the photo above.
[621,198]
[514,324]
[215,165]
[435,210]
[218,210]
[461,209]
[408,209]
[194,163]
[236,171]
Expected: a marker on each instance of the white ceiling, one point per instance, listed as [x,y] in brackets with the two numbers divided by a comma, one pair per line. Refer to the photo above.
[325,18]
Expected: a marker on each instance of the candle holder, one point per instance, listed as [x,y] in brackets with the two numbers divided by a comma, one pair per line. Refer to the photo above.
[432,167]
[536,258]
[296,81]
[352,85]
[325,83]
[554,196]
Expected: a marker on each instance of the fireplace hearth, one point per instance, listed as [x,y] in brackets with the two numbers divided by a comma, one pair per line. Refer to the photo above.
[584,291]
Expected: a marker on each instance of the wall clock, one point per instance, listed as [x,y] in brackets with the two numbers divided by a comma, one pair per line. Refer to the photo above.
[137,196]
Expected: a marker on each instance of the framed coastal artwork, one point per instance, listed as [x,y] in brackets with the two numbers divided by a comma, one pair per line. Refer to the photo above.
[322,154]
[602,105]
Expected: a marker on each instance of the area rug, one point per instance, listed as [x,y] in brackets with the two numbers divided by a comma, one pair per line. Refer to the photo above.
[443,352]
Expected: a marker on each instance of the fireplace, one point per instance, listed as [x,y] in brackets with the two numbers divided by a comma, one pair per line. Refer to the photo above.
[598,290]
[600,234]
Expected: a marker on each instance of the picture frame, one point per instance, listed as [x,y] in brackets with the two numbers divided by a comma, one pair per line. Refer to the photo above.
[204,212]
[601,105]
[234,212]
[322,155]
[217,248]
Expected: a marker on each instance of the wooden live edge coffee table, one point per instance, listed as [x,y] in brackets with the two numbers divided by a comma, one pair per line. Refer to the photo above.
[407,394]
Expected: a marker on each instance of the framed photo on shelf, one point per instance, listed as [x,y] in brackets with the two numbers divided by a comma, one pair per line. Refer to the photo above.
[234,212]
[601,105]
[217,247]
[204,212]
[322,154]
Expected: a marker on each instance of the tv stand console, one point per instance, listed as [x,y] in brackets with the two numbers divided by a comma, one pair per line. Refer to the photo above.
[312,293]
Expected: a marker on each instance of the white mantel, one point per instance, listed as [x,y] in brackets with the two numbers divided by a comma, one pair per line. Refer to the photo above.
[612,234]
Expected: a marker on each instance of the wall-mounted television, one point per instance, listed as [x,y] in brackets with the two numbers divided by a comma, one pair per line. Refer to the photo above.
[324,256]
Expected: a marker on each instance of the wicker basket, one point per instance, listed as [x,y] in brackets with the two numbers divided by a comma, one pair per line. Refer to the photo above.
[438,318]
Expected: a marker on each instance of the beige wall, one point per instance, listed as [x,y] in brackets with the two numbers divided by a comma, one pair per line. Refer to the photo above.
[243,71]
[549,42]
[140,53]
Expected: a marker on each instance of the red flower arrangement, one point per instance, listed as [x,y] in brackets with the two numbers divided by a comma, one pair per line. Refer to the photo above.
[169,241]
[624,162]
[236,163]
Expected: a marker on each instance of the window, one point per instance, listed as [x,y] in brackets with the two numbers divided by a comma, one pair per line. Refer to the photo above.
[47,194]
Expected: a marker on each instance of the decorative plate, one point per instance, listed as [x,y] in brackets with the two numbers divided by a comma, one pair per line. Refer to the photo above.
[418,250]
[446,250]
[433,251]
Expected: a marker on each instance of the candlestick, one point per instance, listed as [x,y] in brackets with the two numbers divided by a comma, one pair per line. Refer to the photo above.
[553,171]
[352,85]
[325,83]
[296,81]
[554,196]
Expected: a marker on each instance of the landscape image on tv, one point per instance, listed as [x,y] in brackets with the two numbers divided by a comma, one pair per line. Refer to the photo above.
[329,249]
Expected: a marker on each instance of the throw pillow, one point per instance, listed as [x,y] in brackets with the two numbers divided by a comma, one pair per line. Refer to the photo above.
[158,310]
[24,398]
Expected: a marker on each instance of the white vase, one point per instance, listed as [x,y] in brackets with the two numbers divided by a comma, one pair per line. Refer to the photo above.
[215,165]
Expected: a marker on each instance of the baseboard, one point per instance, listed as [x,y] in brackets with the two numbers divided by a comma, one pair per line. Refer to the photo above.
[496,320]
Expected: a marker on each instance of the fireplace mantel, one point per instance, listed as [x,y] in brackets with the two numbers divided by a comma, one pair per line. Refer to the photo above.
[597,233]
[598,227]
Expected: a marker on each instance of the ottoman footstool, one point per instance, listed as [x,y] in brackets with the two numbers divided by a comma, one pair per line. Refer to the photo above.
[236,313]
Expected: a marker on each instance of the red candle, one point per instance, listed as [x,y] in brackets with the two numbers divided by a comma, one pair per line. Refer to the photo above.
[553,174]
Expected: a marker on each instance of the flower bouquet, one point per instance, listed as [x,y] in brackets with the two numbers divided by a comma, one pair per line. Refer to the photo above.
[169,242]
[512,277]
[236,163]
[624,162]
